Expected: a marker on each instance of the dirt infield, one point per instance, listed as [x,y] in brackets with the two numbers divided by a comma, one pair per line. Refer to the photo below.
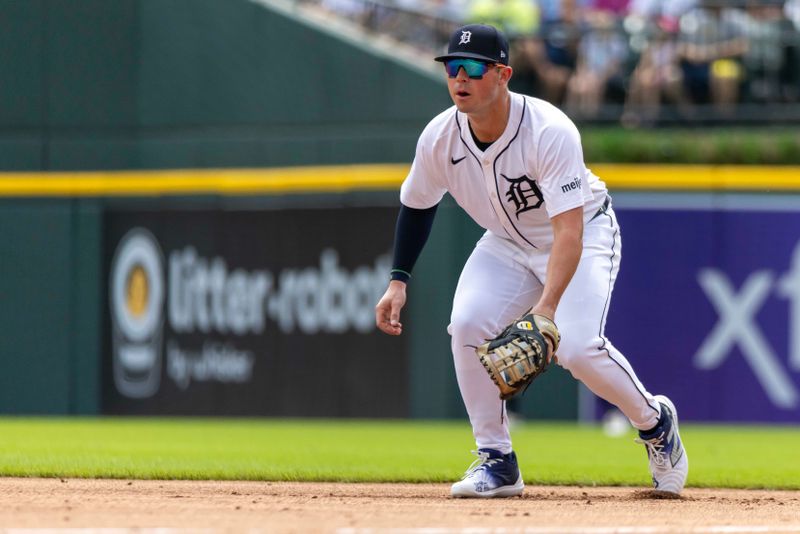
[350,508]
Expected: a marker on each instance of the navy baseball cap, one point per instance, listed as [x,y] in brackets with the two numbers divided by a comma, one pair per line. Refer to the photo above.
[477,41]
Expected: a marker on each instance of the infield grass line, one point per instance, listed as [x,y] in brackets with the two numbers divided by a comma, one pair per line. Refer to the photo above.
[377,451]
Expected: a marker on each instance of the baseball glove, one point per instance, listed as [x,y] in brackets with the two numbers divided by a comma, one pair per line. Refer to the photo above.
[520,353]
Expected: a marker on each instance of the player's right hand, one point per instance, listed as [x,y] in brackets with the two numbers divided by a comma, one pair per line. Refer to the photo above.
[387,312]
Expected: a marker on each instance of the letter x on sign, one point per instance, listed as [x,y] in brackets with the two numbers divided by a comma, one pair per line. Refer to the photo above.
[736,325]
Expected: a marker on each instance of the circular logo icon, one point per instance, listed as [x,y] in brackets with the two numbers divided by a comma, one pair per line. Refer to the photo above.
[136,289]
[137,286]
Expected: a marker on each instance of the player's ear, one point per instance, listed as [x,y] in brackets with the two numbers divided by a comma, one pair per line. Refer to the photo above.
[505,74]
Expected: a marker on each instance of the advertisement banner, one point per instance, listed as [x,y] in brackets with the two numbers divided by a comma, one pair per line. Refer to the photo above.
[707,304]
[270,312]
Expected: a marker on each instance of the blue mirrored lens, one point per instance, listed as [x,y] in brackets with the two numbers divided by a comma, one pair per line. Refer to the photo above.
[474,68]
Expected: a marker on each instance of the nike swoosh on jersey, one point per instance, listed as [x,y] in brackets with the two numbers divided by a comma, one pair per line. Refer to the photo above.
[455,161]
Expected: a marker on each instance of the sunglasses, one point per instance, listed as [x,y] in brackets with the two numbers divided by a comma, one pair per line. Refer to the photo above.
[474,68]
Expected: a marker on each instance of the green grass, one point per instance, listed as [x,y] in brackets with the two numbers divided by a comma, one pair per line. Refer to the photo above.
[380,451]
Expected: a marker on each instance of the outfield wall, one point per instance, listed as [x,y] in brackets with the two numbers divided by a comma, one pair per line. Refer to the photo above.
[251,293]
[707,304]
[129,84]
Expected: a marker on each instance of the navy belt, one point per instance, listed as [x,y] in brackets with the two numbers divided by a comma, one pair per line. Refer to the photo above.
[602,209]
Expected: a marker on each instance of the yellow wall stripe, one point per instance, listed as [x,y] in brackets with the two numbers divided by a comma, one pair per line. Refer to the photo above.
[699,177]
[367,177]
[204,181]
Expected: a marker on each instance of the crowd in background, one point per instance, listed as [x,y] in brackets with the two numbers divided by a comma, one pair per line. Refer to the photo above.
[637,61]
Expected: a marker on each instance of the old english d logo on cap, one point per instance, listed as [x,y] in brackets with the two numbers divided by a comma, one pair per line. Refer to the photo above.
[477,41]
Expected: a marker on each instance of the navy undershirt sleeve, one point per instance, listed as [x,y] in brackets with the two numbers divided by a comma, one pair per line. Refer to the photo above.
[411,233]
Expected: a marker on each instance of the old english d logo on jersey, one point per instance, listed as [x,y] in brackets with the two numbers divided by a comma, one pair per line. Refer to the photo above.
[523,193]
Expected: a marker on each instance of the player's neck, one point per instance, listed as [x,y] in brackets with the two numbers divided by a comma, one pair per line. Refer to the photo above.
[490,124]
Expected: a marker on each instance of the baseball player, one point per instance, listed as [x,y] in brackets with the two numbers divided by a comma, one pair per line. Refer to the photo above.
[551,248]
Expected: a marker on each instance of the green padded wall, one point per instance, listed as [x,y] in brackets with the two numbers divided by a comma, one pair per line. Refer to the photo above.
[49,306]
[93,84]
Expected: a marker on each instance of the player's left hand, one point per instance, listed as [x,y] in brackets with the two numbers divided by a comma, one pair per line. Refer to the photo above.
[387,311]
[547,312]
[544,310]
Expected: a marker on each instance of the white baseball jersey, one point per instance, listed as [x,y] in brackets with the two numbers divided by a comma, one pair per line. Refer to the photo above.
[534,171]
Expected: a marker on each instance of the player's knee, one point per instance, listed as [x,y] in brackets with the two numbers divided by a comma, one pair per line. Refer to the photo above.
[575,349]
[469,328]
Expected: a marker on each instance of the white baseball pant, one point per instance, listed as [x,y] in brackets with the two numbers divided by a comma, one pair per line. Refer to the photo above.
[500,282]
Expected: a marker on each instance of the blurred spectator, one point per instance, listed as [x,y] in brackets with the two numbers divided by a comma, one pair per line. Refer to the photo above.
[711,46]
[763,24]
[617,8]
[421,30]
[790,75]
[551,56]
[792,11]
[656,78]
[602,52]
[644,15]
[516,18]
[658,59]
[661,9]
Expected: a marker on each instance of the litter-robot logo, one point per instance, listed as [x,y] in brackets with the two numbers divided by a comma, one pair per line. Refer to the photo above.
[137,314]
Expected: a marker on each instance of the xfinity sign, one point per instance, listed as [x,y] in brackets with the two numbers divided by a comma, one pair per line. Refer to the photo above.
[737,327]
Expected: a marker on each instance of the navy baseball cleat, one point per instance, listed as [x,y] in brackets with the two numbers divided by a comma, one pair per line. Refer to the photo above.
[493,474]
[669,464]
